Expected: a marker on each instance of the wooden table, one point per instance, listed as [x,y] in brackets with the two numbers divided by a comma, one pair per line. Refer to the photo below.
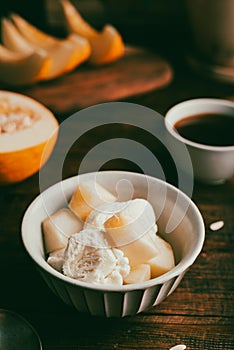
[199,314]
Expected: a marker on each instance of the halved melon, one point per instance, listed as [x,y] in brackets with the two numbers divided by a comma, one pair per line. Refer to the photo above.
[28,130]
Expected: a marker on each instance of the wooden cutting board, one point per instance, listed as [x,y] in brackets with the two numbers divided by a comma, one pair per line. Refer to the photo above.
[138,72]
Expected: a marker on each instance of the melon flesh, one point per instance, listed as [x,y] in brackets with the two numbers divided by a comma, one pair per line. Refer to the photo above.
[164,260]
[24,151]
[89,196]
[22,68]
[131,223]
[64,54]
[107,47]
[57,228]
[140,251]
[139,273]
[131,229]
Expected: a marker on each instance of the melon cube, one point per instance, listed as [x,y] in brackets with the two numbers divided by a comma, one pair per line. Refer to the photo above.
[57,228]
[130,224]
[89,196]
[139,273]
[140,251]
[164,260]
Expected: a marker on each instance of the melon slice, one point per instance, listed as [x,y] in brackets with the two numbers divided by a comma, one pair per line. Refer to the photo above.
[22,69]
[28,132]
[106,46]
[75,22]
[13,40]
[64,54]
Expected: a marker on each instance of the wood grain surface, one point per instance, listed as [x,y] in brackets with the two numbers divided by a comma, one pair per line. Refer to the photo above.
[139,71]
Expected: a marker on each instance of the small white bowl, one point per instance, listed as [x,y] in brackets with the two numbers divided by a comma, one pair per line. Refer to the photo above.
[187,237]
[211,164]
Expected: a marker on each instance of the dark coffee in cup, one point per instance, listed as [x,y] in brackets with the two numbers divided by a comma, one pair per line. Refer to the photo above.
[208,129]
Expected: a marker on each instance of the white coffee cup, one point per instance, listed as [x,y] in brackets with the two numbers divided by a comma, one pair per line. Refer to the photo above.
[211,164]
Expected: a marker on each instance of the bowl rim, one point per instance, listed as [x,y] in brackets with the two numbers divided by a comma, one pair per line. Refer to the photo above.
[192,102]
[179,269]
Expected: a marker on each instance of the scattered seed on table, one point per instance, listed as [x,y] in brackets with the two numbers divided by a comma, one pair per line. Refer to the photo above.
[217,225]
[178,347]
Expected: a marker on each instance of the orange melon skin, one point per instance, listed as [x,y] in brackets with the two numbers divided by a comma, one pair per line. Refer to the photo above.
[16,166]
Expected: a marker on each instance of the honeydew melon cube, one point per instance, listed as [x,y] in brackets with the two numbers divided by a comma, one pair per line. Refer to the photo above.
[57,228]
[139,273]
[89,196]
[164,261]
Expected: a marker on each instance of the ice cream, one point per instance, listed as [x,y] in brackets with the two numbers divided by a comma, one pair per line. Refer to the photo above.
[88,258]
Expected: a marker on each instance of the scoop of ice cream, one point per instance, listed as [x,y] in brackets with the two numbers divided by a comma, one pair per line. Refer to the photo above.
[88,258]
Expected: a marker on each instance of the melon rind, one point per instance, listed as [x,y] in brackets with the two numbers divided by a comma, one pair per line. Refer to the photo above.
[21,152]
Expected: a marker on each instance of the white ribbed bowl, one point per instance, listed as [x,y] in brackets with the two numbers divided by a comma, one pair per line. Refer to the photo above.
[186,239]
